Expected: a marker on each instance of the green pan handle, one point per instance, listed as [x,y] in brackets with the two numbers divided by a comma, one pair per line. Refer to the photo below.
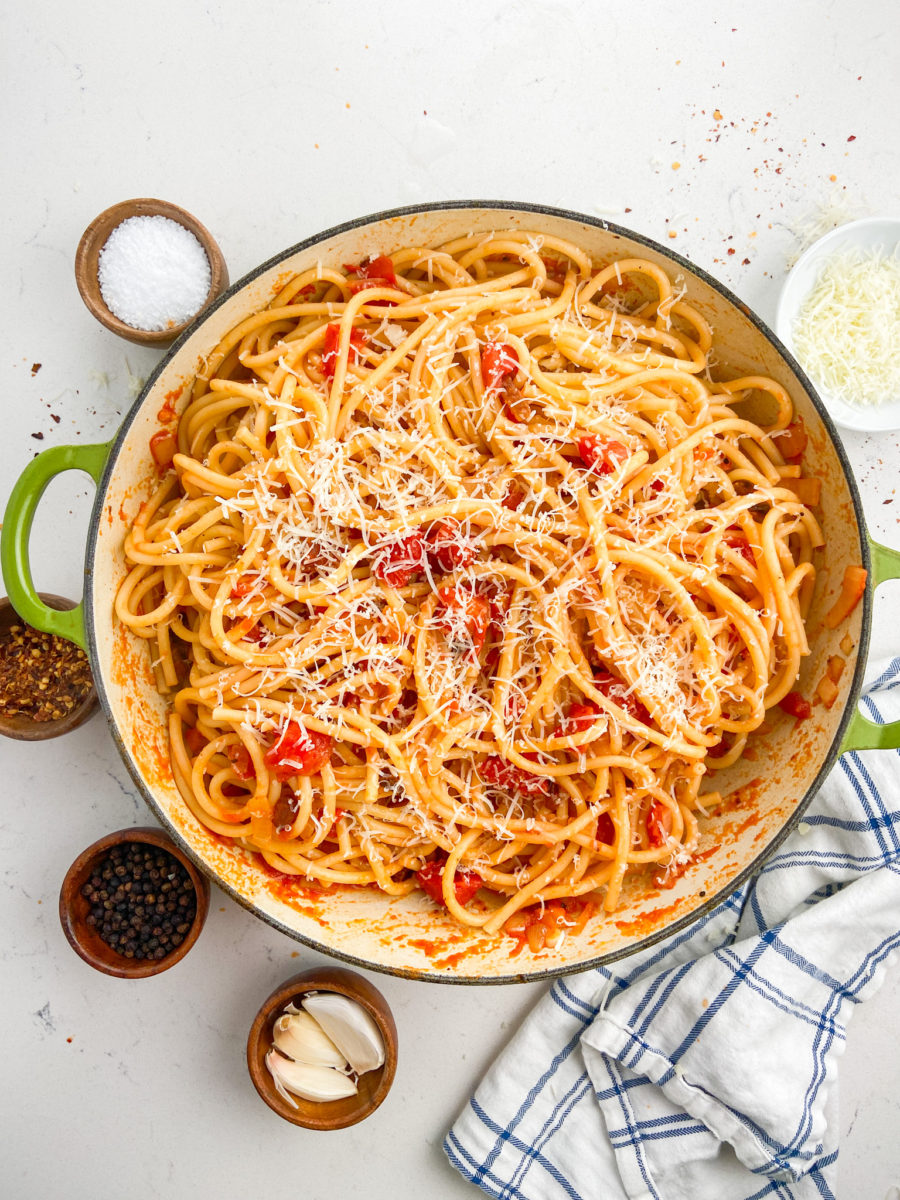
[17,521]
[863,734]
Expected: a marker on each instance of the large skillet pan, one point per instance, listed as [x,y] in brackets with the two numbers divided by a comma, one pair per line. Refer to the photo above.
[767,791]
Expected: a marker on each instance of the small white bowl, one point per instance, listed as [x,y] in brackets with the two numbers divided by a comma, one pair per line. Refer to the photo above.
[872,233]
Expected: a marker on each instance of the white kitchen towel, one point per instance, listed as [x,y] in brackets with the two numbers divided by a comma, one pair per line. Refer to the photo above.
[705,1067]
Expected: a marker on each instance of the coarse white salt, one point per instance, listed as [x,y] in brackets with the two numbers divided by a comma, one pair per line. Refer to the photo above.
[153,273]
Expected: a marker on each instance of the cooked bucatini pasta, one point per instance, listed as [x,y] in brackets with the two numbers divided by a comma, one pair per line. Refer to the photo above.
[463,573]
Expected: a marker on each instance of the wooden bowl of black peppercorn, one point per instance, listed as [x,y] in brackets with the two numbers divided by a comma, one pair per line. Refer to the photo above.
[133,904]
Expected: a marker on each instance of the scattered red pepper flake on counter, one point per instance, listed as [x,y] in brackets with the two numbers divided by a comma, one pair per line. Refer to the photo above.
[42,676]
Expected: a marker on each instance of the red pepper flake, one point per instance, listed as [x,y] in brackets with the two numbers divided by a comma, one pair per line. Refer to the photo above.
[35,367]
[42,676]
[852,137]
[731,250]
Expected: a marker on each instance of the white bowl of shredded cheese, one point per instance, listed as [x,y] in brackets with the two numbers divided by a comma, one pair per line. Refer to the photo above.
[839,314]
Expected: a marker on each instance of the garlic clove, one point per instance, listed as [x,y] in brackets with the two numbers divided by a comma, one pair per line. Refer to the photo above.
[308,1082]
[350,1027]
[300,1037]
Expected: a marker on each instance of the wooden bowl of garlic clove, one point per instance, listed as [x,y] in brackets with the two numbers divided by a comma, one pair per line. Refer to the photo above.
[372,1086]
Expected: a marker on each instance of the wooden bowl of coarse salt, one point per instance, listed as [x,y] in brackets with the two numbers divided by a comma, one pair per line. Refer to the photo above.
[145,268]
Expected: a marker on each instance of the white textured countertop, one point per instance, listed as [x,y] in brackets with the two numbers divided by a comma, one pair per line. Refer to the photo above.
[729,126]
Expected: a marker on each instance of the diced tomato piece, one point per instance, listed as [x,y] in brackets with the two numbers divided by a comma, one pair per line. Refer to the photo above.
[515,406]
[194,740]
[807,489]
[431,881]
[465,616]
[604,455]
[606,830]
[792,441]
[578,719]
[448,546]
[401,561]
[299,751]
[244,586]
[615,689]
[502,773]
[330,348]
[498,362]
[513,498]
[735,537]
[241,762]
[795,706]
[372,272]
[163,447]
[659,823]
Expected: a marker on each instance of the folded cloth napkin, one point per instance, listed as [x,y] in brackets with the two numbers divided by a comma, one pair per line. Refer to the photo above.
[705,1067]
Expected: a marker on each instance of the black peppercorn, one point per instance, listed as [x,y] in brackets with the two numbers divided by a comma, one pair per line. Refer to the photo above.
[126,905]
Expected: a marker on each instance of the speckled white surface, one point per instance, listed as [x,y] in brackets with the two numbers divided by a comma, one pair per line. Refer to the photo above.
[729,126]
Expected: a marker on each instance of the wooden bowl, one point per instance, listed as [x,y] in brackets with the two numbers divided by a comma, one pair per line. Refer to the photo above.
[23,728]
[74,908]
[373,1086]
[93,240]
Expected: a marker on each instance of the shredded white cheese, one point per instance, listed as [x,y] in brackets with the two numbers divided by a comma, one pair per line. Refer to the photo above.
[847,333]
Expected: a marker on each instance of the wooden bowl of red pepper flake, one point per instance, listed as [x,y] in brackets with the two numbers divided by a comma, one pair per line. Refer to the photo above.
[46,686]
